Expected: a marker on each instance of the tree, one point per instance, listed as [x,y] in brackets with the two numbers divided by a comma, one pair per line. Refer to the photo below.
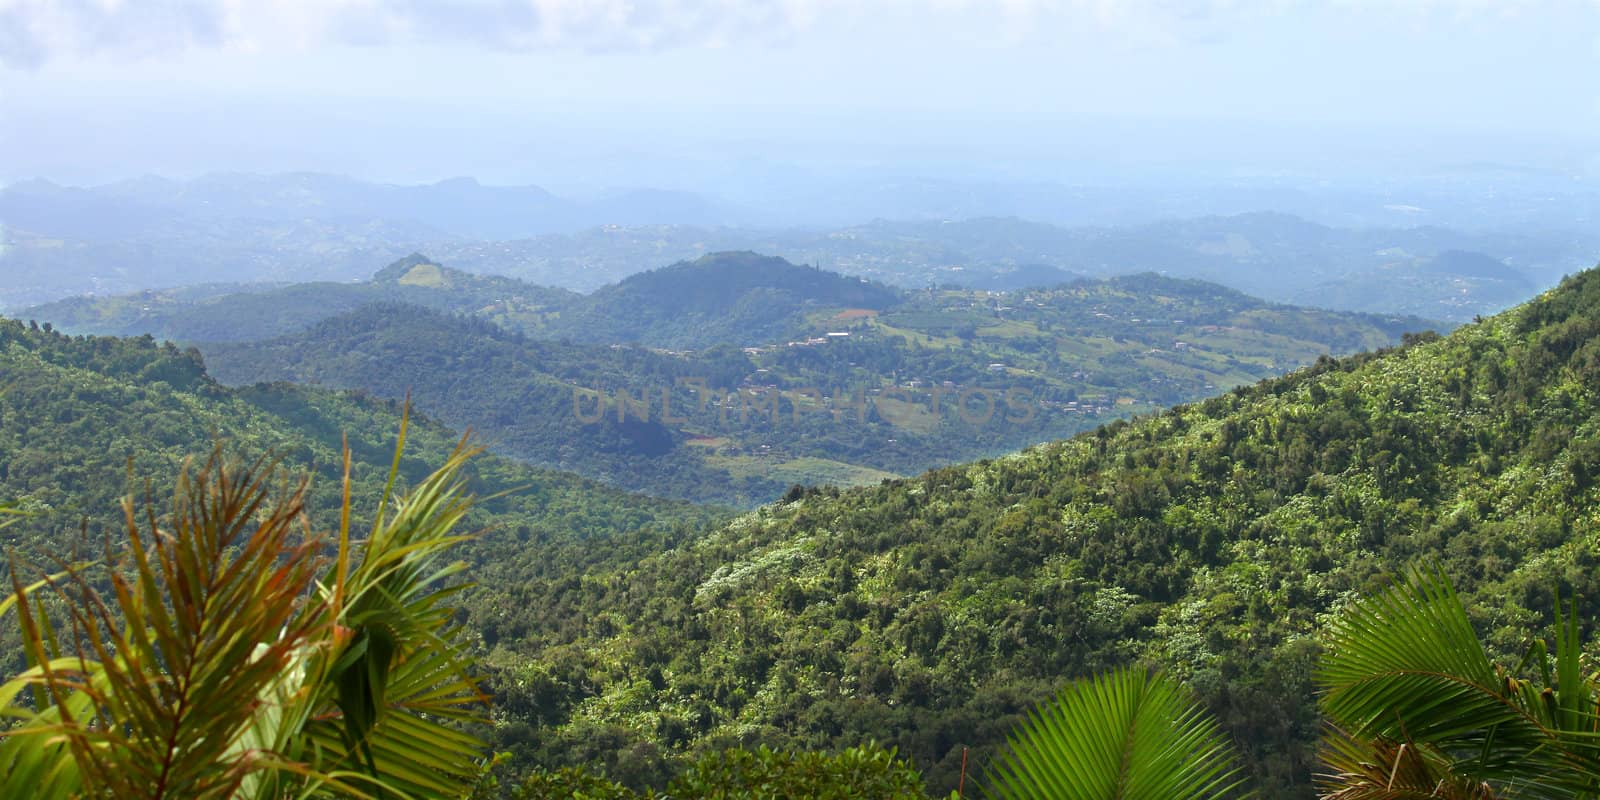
[225,655]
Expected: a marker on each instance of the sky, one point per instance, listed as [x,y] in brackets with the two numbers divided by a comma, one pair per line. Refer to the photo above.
[585,95]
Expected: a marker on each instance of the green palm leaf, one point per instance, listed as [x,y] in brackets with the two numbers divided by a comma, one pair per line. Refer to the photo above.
[1405,678]
[399,681]
[1127,735]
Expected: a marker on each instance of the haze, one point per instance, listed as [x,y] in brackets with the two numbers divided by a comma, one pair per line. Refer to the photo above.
[737,99]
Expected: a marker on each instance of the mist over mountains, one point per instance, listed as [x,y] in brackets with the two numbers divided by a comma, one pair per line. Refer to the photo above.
[154,233]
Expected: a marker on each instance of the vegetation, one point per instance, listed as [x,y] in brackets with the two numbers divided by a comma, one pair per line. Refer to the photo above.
[742,299]
[84,420]
[1415,704]
[229,659]
[1415,708]
[234,313]
[1215,540]
[930,613]
[939,377]
[735,774]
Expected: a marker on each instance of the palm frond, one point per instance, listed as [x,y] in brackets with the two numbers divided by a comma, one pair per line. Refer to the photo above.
[221,664]
[398,680]
[11,512]
[1127,735]
[166,673]
[1405,666]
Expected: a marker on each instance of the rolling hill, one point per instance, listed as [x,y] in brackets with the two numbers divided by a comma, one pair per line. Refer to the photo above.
[865,384]
[1209,539]
[1279,257]
[234,313]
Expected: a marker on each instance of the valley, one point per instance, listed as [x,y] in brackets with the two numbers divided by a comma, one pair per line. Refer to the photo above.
[743,375]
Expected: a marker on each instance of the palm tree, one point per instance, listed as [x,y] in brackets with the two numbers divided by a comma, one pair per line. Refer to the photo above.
[1127,735]
[1417,708]
[227,656]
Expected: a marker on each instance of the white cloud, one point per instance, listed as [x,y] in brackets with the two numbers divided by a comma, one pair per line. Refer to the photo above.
[33,32]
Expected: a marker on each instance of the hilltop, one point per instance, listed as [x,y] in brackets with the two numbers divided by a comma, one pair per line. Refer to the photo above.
[742,299]
[719,298]
[1280,257]
[1208,539]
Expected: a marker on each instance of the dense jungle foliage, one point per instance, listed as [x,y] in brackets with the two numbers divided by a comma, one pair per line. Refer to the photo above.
[1211,540]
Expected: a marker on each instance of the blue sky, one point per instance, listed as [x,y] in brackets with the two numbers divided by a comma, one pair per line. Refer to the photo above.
[585,94]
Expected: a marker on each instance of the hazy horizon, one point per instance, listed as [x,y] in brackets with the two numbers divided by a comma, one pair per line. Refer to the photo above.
[725,98]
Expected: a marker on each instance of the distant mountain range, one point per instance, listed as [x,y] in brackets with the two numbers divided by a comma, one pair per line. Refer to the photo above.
[1430,272]
[459,207]
[152,234]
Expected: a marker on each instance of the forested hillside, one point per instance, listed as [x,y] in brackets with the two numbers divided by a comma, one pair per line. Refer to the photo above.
[1210,540]
[519,393]
[859,394]
[86,420]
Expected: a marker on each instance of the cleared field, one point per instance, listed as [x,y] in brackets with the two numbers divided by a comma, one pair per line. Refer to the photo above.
[806,470]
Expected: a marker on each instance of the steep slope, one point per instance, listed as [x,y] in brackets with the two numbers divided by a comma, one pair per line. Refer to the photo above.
[84,421]
[929,612]
[249,313]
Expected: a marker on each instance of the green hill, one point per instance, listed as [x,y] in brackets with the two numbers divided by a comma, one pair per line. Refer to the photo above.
[1210,539]
[724,298]
[742,299]
[1030,367]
